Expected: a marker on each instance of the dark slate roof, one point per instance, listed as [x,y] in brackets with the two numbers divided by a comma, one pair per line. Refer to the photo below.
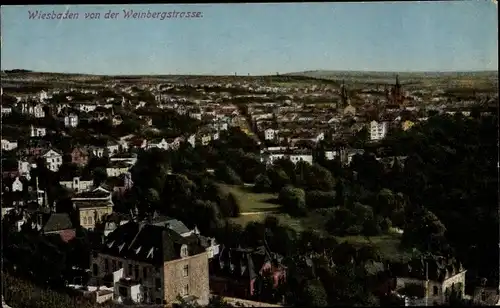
[177,226]
[243,262]
[91,203]
[57,222]
[92,194]
[149,243]
[173,224]
[439,268]
[118,164]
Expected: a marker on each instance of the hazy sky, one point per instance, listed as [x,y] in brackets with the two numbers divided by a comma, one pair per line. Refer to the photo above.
[257,38]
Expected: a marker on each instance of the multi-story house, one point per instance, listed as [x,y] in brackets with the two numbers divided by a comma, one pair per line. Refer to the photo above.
[25,165]
[236,271]
[71,120]
[92,206]
[38,131]
[116,120]
[429,281]
[77,184]
[270,134]
[33,109]
[165,144]
[6,110]
[294,155]
[53,160]
[406,125]
[117,168]
[127,158]
[98,151]
[79,156]
[378,130]
[151,263]
[8,145]
[43,95]
[112,147]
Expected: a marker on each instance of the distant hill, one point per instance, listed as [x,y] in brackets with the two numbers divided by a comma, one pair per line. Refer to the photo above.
[365,74]
[16,71]
[481,80]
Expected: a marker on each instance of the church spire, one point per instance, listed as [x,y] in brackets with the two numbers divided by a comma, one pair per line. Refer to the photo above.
[343,94]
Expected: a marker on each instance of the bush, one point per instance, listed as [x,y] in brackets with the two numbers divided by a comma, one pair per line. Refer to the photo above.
[319,199]
[293,200]
[262,184]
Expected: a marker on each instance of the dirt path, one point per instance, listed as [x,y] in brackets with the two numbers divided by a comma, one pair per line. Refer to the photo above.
[258,213]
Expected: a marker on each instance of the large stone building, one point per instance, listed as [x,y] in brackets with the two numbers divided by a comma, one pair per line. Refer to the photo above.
[153,264]
[92,206]
[431,280]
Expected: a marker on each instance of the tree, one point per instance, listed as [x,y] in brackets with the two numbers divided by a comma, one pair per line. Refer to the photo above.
[279,178]
[313,294]
[293,200]
[320,199]
[227,175]
[319,178]
[425,231]
[262,184]
[99,175]
[152,198]
[230,206]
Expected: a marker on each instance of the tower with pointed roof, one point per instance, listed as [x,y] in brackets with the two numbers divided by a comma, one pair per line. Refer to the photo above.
[344,97]
[396,95]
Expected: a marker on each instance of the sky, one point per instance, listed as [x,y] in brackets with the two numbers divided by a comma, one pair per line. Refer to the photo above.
[255,38]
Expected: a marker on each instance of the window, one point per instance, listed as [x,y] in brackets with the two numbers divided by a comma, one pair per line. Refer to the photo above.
[158,283]
[185,290]
[186,270]
[144,272]
[184,251]
[137,272]
[113,264]
[90,220]
[120,265]
[435,290]
[130,269]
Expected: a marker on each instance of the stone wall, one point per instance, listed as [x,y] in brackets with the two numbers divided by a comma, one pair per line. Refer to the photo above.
[197,280]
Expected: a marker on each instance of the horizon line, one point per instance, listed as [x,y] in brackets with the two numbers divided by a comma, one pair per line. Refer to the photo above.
[3,71]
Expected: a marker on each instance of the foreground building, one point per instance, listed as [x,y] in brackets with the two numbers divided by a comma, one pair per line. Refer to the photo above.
[239,272]
[429,281]
[153,264]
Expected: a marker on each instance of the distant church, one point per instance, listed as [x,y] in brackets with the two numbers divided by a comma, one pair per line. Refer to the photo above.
[344,97]
[394,96]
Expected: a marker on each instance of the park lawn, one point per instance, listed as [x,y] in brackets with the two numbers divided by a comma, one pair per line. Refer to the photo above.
[250,201]
[283,218]
[387,244]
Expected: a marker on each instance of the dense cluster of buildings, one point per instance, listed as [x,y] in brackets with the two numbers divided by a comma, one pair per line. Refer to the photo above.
[157,259]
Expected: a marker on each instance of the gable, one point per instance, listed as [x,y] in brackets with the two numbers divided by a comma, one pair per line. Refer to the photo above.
[51,153]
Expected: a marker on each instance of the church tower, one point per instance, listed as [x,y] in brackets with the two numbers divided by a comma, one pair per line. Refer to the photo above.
[344,97]
[396,96]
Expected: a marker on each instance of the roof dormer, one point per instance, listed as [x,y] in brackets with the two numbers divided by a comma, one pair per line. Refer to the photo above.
[184,251]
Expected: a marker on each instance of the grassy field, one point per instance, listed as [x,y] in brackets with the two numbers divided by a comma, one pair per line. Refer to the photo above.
[254,207]
[250,201]
[387,244]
